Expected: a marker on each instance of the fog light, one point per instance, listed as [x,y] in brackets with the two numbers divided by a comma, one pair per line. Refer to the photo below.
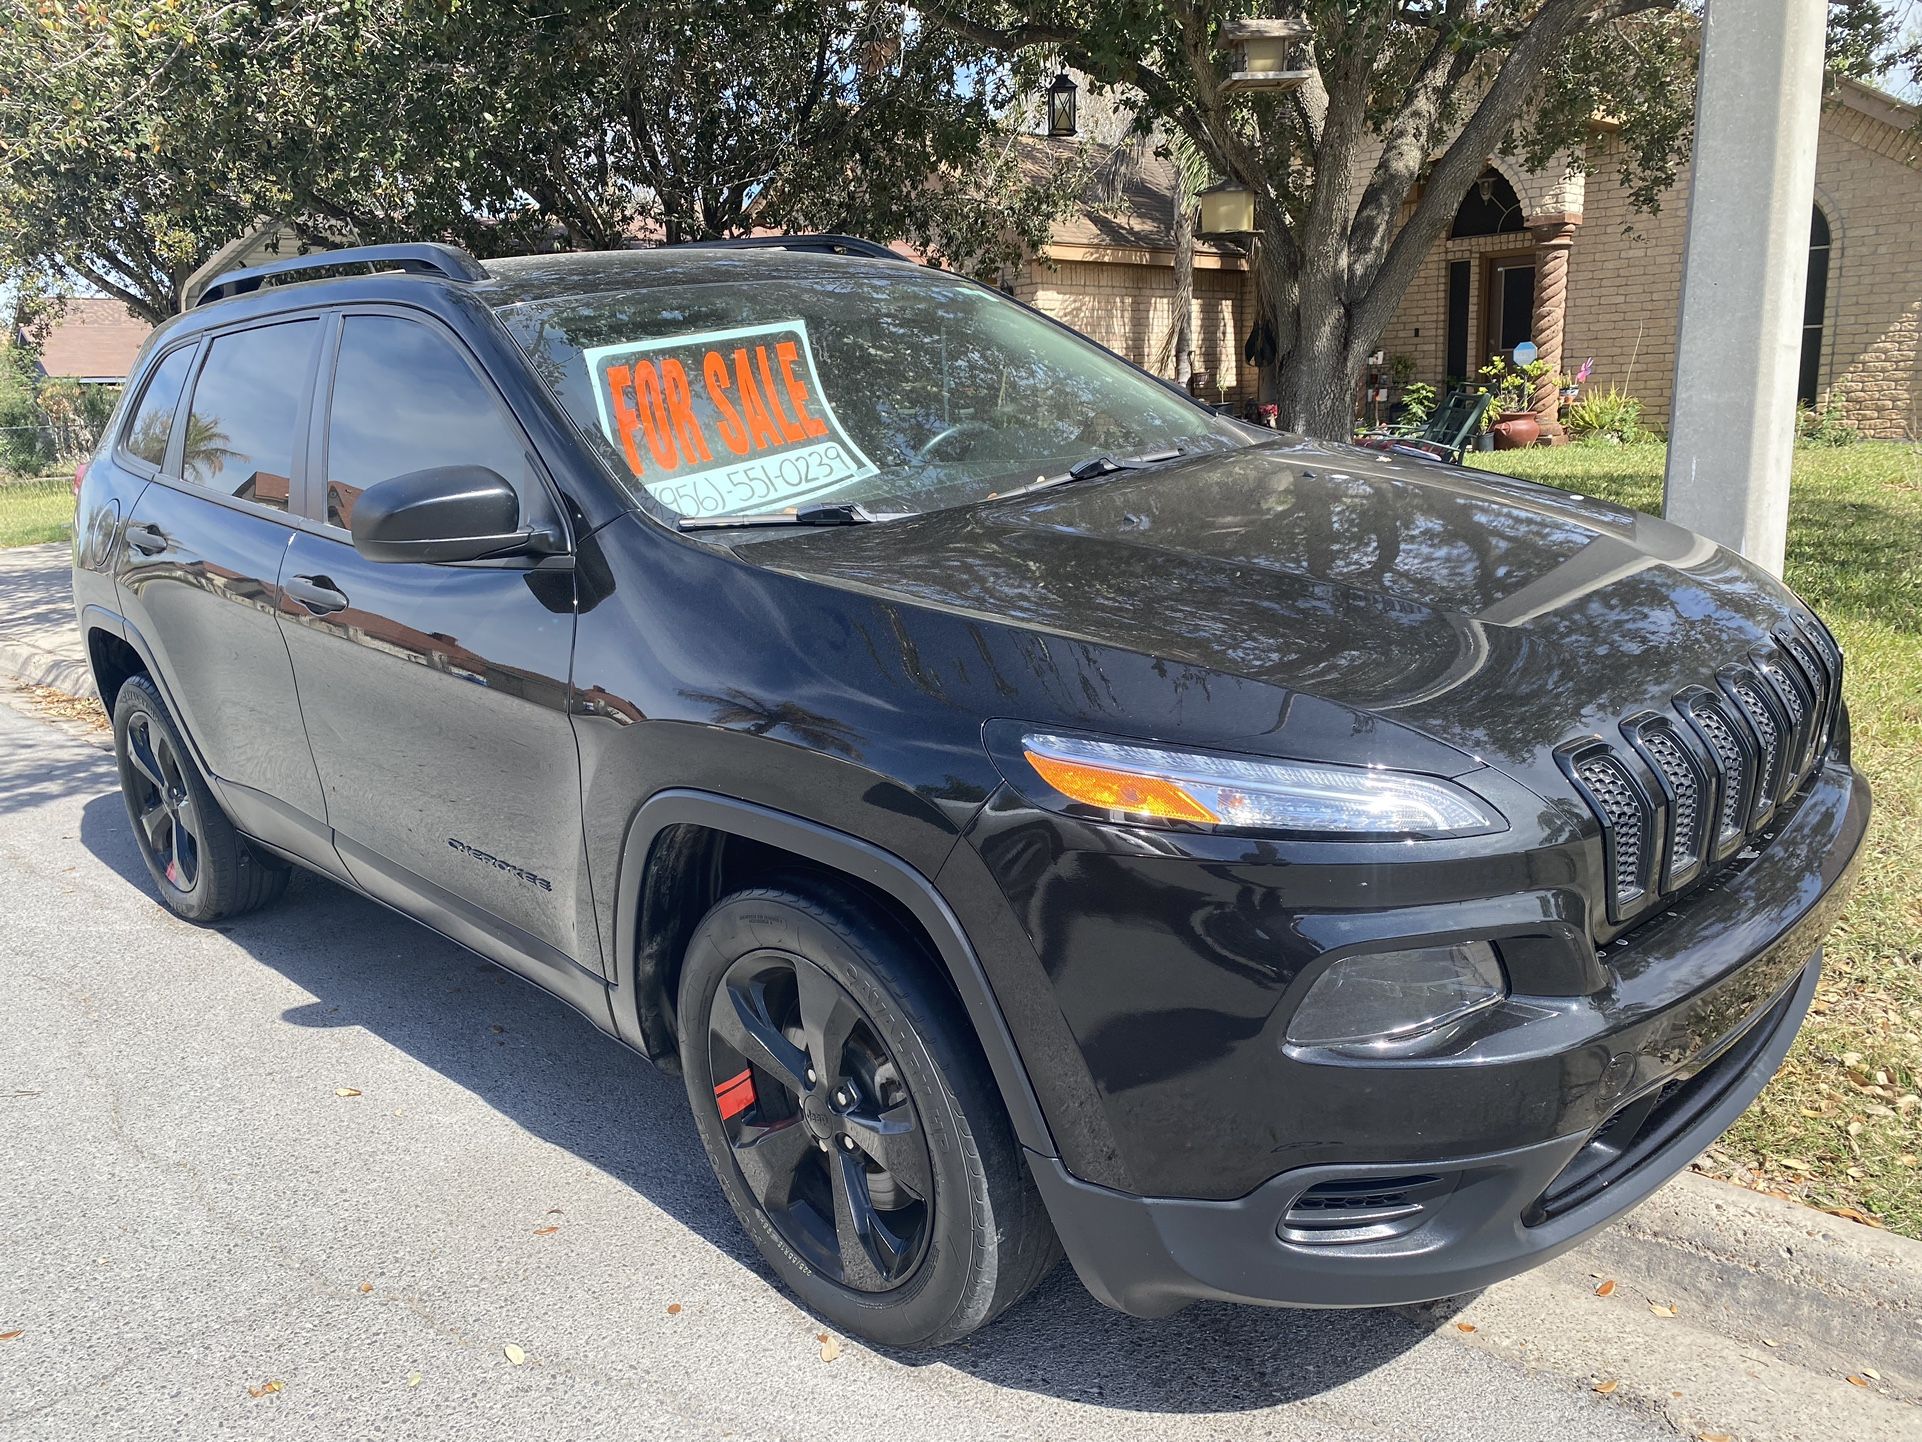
[1395,995]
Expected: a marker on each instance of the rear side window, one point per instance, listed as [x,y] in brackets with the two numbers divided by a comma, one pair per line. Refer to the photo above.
[404,400]
[151,425]
[240,428]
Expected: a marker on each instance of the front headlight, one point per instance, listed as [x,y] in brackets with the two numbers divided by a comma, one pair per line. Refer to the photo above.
[1125,781]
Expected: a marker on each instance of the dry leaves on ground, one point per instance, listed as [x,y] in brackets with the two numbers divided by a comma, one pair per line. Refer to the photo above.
[264,1388]
[14,1335]
[830,1348]
[346,1091]
[1604,1289]
[545,1231]
[673,1309]
[513,1354]
[1662,1309]
[1607,1387]
[1464,1326]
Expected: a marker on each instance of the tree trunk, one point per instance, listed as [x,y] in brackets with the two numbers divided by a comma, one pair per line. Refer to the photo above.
[1184,286]
[1315,380]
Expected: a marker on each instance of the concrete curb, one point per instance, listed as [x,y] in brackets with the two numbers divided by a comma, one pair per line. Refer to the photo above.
[1758,1268]
[23,661]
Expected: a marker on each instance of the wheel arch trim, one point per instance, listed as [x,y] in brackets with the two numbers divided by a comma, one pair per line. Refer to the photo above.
[861,860]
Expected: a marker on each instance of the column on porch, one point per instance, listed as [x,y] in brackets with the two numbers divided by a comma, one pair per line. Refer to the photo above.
[1557,214]
[1554,238]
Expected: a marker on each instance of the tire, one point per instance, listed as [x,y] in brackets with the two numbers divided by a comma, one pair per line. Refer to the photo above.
[203,868]
[928,1269]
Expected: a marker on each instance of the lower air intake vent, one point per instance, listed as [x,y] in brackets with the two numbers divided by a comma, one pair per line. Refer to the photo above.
[1363,1209]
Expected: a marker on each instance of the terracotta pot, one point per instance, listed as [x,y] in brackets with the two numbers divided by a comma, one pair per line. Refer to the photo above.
[1516,430]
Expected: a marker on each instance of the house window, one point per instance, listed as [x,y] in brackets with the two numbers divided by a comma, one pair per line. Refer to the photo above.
[1814,306]
[1491,207]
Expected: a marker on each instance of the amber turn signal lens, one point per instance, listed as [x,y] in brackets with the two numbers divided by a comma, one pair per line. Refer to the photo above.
[1119,790]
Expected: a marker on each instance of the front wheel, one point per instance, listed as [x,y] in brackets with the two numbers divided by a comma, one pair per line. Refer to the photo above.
[852,1122]
[203,868]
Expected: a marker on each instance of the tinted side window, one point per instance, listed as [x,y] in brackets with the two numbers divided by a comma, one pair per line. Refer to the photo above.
[405,400]
[240,428]
[151,423]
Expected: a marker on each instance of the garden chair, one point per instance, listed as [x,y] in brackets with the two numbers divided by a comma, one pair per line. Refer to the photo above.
[1444,436]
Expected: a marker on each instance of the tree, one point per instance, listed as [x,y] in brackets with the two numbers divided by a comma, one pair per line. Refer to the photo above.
[1358,173]
[138,137]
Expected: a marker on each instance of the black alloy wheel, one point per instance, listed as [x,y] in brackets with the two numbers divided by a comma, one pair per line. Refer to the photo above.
[851,1118]
[204,868]
[819,1120]
[167,822]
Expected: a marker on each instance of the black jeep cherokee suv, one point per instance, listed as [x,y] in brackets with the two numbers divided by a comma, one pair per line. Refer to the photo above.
[1022,804]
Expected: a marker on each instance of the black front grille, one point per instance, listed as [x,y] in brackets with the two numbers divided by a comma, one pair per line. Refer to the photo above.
[1691,786]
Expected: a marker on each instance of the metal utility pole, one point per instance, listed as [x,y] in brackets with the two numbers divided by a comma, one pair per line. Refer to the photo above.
[1732,428]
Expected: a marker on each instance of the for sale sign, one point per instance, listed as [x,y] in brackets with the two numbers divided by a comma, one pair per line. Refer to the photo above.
[726,422]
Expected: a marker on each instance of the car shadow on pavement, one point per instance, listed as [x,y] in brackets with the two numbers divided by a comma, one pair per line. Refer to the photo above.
[535,1061]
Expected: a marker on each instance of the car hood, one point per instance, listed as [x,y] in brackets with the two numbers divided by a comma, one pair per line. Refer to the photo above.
[1495,615]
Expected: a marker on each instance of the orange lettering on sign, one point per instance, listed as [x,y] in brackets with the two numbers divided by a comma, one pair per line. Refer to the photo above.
[797,393]
[760,428]
[790,430]
[680,409]
[660,440]
[620,391]
[714,370]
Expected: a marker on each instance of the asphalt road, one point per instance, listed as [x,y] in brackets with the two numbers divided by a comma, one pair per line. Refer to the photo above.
[190,1210]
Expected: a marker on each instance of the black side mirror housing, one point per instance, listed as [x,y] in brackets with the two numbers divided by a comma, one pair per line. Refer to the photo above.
[445,513]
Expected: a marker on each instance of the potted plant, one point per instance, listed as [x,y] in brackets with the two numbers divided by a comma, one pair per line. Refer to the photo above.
[1516,426]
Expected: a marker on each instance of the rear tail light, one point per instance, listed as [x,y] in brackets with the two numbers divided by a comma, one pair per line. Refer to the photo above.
[79,475]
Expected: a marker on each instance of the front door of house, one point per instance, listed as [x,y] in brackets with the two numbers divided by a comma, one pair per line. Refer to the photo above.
[1508,303]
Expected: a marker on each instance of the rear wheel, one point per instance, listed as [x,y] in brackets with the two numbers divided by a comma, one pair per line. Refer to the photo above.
[204,869]
[852,1123]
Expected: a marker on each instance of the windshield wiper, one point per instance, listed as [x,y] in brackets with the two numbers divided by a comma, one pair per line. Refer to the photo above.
[844,513]
[1094,468]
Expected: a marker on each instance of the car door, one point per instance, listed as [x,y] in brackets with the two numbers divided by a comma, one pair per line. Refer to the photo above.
[201,560]
[436,695]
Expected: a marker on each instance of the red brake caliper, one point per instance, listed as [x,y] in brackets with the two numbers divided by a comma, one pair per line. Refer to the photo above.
[736,1094]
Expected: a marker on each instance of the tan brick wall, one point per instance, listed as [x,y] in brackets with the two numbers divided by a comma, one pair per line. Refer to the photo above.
[1131,308]
[1625,280]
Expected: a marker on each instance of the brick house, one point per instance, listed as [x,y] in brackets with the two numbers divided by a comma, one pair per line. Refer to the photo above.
[1560,257]
[94,341]
[1108,270]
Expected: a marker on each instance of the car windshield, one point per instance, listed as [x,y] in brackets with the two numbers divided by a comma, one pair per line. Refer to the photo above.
[743,390]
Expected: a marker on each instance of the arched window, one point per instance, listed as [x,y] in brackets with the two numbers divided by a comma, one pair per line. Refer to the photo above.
[1491,207]
[1815,305]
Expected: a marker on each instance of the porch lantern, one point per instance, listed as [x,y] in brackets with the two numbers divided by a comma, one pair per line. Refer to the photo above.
[1062,94]
[1227,209]
[1265,54]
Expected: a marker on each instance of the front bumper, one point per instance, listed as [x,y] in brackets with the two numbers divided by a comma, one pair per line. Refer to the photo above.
[1662,1083]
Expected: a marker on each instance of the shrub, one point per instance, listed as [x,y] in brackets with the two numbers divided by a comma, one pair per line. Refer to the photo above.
[1612,417]
[1417,403]
[1826,427]
[24,450]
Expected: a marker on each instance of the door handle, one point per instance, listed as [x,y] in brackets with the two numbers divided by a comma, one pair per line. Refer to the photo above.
[317,594]
[147,538]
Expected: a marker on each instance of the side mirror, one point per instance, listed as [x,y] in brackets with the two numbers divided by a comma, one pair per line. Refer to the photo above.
[446,513]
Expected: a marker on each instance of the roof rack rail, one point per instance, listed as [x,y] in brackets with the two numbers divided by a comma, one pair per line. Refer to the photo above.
[415,257]
[822,244]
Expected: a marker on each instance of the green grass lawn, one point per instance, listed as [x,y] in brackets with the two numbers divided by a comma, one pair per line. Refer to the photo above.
[1841,1126]
[36,510]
